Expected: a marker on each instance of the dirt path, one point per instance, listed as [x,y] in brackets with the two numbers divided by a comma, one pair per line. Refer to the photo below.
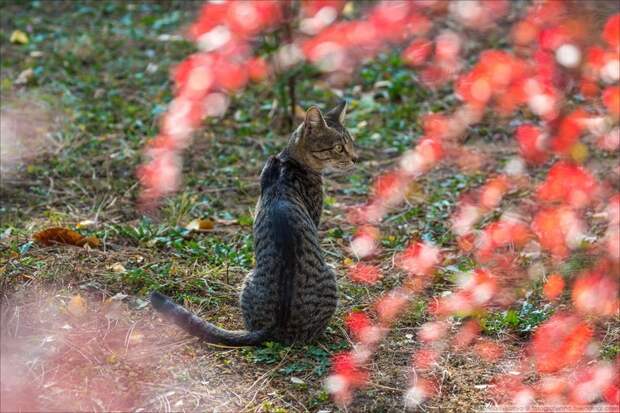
[63,353]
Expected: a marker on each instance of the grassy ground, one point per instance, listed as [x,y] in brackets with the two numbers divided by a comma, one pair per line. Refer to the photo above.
[99,80]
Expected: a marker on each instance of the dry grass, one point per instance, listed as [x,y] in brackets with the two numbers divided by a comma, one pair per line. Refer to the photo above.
[119,355]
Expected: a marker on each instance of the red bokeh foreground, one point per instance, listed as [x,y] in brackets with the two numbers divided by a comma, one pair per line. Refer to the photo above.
[558,71]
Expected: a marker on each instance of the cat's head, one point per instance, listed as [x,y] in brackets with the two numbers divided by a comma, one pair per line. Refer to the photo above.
[322,142]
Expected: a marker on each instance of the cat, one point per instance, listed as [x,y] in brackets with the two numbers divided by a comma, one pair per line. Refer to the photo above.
[291,294]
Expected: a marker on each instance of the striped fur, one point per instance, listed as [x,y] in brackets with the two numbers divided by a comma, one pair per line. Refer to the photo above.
[291,294]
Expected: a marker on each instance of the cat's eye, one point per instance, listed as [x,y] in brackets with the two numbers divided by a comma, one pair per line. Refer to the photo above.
[339,148]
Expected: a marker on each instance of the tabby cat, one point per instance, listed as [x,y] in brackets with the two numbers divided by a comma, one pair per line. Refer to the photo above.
[291,294]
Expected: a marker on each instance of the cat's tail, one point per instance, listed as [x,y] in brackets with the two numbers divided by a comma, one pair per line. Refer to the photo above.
[203,329]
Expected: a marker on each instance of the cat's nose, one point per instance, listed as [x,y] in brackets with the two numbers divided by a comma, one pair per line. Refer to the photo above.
[355,158]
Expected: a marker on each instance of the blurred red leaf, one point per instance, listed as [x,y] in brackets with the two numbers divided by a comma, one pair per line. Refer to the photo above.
[466,334]
[363,273]
[493,191]
[611,31]
[344,364]
[424,358]
[418,52]
[554,286]
[312,7]
[230,76]
[357,322]
[555,228]
[419,258]
[432,331]
[258,69]
[391,305]
[211,15]
[570,184]
[596,294]
[531,143]
[560,342]
[570,129]
[488,350]
[525,32]
[611,99]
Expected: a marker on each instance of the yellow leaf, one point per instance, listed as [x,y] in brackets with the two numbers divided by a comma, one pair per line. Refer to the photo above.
[201,225]
[19,37]
[118,267]
[579,152]
[348,9]
[347,262]
[111,359]
[77,306]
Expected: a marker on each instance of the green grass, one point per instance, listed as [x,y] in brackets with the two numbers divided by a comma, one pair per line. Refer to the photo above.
[103,72]
[522,320]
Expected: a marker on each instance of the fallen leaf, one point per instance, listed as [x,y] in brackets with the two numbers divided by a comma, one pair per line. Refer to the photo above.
[57,235]
[92,242]
[24,77]
[87,223]
[19,37]
[299,112]
[226,221]
[348,9]
[111,359]
[201,225]
[118,268]
[77,306]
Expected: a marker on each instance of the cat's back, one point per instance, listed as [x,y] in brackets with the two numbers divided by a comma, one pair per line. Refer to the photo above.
[288,191]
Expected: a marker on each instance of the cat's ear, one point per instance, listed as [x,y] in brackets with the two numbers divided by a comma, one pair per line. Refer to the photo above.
[339,112]
[314,118]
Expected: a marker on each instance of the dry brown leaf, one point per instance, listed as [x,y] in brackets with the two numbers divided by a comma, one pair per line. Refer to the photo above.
[92,242]
[201,225]
[299,112]
[57,235]
[415,193]
[77,306]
